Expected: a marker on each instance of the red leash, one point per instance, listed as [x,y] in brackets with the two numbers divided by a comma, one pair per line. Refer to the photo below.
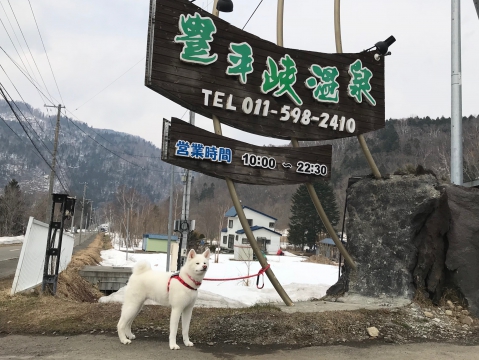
[260,272]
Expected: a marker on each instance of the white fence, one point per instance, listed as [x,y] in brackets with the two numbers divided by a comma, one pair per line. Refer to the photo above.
[29,271]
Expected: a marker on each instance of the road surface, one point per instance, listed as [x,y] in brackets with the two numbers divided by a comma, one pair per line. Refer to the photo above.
[9,254]
[108,347]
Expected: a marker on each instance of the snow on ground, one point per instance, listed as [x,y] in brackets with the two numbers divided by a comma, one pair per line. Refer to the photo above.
[301,280]
[12,240]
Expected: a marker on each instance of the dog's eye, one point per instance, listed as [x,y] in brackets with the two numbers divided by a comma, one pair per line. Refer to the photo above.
[197,263]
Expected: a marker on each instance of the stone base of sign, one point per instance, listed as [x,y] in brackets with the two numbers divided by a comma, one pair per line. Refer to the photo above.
[412,233]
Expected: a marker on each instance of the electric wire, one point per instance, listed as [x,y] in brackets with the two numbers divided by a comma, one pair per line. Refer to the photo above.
[32,81]
[20,45]
[5,121]
[28,47]
[110,84]
[34,118]
[36,153]
[8,77]
[31,126]
[11,40]
[46,54]
[252,14]
[31,140]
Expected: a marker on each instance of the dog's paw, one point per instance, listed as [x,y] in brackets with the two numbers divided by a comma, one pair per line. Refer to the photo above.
[174,347]
[188,343]
[131,337]
[126,341]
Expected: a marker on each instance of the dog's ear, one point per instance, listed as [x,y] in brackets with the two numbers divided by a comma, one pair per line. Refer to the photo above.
[206,254]
[191,254]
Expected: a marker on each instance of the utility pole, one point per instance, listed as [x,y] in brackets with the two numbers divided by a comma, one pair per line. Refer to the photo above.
[54,157]
[170,218]
[127,232]
[185,211]
[456,94]
[91,213]
[82,207]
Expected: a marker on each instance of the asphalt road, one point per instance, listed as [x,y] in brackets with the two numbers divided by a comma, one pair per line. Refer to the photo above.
[108,347]
[9,259]
[9,254]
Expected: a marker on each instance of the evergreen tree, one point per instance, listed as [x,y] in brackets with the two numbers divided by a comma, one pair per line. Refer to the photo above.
[305,223]
[12,210]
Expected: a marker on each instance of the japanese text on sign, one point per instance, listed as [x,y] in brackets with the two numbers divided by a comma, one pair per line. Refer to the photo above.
[201,152]
[197,34]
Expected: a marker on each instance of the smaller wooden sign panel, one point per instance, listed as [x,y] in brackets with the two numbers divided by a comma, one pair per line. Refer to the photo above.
[189,147]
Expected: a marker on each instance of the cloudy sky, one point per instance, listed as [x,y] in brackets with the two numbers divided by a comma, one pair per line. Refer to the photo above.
[92,43]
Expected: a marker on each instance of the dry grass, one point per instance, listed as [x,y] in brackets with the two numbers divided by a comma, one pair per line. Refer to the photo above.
[454,296]
[70,284]
[33,311]
[69,313]
[320,259]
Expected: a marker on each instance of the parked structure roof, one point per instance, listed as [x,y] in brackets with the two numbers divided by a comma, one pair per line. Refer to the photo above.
[232,212]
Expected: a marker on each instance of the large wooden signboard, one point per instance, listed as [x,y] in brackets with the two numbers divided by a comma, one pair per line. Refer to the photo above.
[213,68]
[196,149]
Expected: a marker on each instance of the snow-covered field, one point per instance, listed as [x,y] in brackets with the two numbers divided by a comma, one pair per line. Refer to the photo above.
[301,280]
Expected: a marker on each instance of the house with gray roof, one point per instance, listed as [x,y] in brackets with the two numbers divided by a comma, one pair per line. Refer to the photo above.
[262,225]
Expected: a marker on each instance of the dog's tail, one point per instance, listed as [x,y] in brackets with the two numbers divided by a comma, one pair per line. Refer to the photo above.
[141,267]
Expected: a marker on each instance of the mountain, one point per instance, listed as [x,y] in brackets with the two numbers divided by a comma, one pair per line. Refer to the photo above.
[399,147]
[105,159]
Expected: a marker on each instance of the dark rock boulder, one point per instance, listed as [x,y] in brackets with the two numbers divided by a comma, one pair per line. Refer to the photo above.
[384,217]
[429,274]
[462,258]
[408,233]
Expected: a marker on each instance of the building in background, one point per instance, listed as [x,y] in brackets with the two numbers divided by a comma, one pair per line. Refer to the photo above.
[157,242]
[233,237]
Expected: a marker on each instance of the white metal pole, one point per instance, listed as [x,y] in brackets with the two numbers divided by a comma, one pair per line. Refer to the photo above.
[456,95]
[170,218]
[127,231]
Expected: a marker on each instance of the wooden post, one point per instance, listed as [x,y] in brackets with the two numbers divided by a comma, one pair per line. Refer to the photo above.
[309,186]
[244,222]
[339,49]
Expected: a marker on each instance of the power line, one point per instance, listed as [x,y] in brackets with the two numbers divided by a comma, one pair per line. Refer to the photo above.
[54,78]
[11,40]
[21,97]
[38,136]
[31,140]
[34,118]
[109,84]
[36,153]
[32,81]
[28,47]
[252,14]
[14,33]
[5,121]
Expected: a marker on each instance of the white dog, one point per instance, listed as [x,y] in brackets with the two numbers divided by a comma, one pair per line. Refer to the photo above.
[177,291]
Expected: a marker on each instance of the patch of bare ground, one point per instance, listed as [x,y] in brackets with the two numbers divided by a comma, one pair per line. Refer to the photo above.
[74,310]
[320,259]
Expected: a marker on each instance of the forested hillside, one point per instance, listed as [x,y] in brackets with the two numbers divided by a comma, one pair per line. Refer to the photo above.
[125,172]
[105,159]
[402,144]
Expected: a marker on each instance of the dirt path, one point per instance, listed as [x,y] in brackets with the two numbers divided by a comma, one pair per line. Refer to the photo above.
[88,347]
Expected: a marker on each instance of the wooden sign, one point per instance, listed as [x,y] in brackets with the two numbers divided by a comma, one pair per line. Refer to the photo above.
[213,68]
[189,147]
